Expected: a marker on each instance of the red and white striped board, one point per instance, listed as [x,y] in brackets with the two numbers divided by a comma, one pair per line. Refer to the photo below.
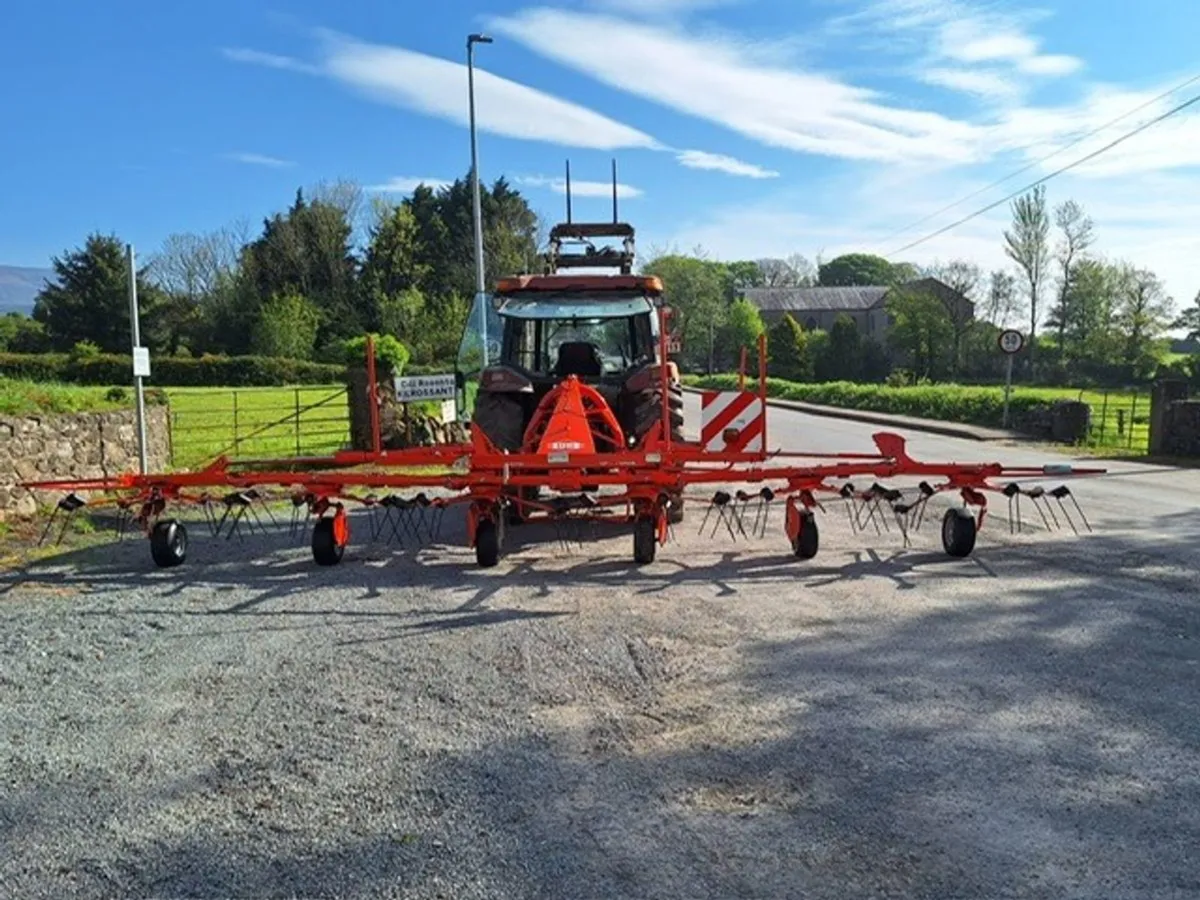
[741,411]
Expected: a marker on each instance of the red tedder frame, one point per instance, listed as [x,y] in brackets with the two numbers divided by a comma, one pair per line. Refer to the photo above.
[576,466]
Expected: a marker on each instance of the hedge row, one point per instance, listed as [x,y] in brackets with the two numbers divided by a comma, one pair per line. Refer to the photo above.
[967,405]
[208,371]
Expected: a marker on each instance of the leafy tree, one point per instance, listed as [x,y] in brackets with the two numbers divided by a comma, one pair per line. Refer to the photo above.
[795,271]
[743,274]
[287,326]
[695,289]
[1027,245]
[1144,313]
[392,273]
[923,329]
[1000,306]
[854,269]
[876,363]
[1189,320]
[843,361]
[743,325]
[961,276]
[787,351]
[90,299]
[195,271]
[1077,237]
[21,334]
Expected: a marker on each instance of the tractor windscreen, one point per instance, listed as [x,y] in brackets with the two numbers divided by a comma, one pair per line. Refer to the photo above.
[578,335]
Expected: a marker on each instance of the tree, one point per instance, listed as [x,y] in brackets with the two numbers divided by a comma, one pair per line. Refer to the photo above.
[21,334]
[1000,306]
[854,269]
[843,359]
[695,289]
[287,326]
[1144,313]
[923,329]
[743,325]
[741,275]
[194,270]
[961,276]
[1026,244]
[787,351]
[90,301]
[1189,320]
[795,271]
[392,273]
[1077,236]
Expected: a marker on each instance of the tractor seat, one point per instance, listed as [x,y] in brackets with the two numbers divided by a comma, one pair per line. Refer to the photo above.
[579,358]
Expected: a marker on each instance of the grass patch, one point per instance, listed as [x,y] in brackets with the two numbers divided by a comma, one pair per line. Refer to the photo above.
[27,398]
[1120,419]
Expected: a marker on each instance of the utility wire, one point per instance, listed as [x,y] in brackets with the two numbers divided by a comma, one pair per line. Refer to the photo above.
[1037,162]
[1054,174]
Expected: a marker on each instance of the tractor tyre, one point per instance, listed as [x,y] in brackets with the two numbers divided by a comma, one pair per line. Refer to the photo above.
[645,540]
[487,544]
[168,543]
[326,550]
[501,417]
[647,412]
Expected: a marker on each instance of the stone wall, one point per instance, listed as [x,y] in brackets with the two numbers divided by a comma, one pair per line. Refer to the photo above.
[1181,429]
[83,445]
[1064,421]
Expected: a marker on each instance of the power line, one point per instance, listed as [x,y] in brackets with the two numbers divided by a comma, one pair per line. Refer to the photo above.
[1054,174]
[1037,162]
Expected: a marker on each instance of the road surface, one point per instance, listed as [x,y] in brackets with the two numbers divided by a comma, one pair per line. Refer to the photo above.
[728,722]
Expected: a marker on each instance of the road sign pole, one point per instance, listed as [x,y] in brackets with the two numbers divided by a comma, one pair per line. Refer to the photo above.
[137,345]
[1007,386]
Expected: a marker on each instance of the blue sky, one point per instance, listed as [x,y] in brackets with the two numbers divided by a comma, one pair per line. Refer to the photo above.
[745,127]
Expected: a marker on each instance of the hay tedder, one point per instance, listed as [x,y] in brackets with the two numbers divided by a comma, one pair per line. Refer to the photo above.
[580,419]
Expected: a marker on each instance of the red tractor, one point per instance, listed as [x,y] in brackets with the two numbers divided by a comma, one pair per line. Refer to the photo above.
[600,330]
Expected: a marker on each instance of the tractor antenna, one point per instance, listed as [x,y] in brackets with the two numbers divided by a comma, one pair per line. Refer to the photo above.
[614,174]
[568,192]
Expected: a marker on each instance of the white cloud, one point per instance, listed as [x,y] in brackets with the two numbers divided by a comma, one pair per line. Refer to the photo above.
[981,82]
[652,8]
[578,188]
[259,159]
[270,60]
[402,184]
[699,159]
[718,80]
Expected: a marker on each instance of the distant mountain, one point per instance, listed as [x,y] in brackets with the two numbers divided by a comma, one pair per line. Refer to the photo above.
[19,286]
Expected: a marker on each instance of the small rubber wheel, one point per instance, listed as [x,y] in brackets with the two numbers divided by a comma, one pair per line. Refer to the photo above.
[809,539]
[645,541]
[487,544]
[325,547]
[168,543]
[675,514]
[958,532]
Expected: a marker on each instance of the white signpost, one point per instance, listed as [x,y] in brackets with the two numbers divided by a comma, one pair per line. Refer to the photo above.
[417,388]
[1011,341]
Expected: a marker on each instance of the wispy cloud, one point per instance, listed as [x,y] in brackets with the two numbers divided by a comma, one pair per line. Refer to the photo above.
[270,60]
[656,8]
[404,184]
[259,159]
[981,82]
[721,81]
[700,159]
[578,188]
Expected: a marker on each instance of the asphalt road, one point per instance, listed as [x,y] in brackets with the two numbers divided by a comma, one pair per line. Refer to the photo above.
[730,721]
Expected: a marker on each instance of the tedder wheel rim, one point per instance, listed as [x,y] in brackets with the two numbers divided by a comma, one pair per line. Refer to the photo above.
[326,549]
[808,541]
[958,532]
[168,543]
[487,544]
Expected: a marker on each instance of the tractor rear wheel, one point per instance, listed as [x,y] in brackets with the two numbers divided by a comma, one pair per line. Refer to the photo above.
[501,417]
[647,412]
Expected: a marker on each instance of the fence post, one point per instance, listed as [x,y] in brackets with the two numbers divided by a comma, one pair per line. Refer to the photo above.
[297,392]
[236,432]
[1103,417]
[1162,395]
[1132,419]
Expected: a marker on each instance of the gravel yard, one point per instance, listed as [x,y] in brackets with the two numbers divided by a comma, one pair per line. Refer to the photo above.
[727,722]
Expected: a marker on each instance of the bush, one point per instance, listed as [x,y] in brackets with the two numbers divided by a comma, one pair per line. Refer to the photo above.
[168,371]
[945,402]
[390,353]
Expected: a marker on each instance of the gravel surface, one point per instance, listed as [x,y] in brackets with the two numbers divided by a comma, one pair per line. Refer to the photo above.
[727,722]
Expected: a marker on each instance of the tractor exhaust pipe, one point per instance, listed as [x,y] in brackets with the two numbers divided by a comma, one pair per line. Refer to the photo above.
[568,192]
[614,179]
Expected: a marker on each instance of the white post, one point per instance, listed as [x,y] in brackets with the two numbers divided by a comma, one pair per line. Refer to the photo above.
[137,343]
[1007,386]
[480,286]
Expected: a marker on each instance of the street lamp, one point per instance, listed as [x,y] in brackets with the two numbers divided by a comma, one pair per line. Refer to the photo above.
[480,287]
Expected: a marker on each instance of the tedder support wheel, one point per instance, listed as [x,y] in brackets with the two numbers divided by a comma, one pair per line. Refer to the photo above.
[168,543]
[487,544]
[809,539]
[958,532]
[327,550]
[645,540]
[675,513]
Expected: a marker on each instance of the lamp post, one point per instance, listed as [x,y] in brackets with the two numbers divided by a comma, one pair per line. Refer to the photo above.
[480,287]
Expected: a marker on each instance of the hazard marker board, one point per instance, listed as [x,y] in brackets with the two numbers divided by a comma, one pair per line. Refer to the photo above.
[732,421]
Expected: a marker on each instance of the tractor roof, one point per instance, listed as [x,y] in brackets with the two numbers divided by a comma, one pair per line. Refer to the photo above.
[649,284]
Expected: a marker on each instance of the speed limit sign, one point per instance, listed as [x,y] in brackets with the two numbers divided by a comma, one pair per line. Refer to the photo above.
[1011,341]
